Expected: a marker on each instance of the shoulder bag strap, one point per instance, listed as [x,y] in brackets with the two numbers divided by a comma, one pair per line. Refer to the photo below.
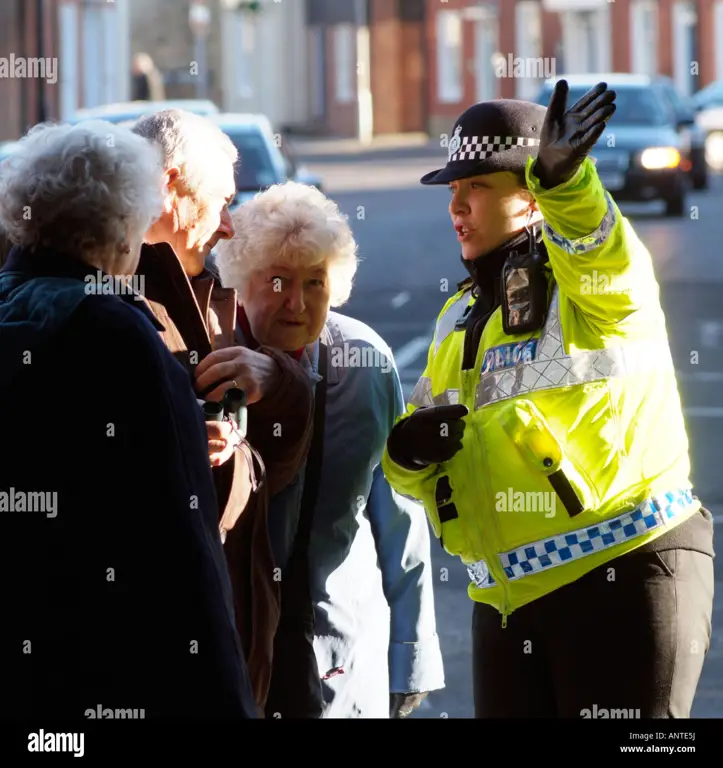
[314,459]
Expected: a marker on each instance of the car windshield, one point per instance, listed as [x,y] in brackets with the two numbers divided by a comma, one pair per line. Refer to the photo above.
[634,106]
[255,168]
[710,96]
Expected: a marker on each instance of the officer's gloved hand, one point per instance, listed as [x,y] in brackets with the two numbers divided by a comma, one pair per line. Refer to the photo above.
[429,436]
[403,704]
[568,136]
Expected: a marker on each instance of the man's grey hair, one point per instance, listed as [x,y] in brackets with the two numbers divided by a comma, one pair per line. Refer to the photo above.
[187,142]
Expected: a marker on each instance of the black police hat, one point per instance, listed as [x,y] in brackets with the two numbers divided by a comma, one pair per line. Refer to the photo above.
[489,137]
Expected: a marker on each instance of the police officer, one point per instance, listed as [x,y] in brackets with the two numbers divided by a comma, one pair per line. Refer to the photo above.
[545,437]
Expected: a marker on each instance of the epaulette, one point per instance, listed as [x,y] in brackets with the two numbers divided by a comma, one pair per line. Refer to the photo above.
[466,284]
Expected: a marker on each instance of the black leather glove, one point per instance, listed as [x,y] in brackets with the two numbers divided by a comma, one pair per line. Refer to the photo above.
[429,436]
[403,704]
[568,136]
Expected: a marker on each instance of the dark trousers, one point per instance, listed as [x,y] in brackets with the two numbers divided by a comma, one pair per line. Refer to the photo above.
[631,634]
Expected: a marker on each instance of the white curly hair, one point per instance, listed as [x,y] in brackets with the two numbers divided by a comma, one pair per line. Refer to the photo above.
[293,225]
[85,189]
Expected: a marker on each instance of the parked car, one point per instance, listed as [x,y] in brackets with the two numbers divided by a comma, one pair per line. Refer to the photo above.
[684,110]
[708,103]
[265,158]
[646,151]
[130,111]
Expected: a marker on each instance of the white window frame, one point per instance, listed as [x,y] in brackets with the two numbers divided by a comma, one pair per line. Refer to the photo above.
[718,38]
[344,63]
[487,84]
[644,23]
[450,77]
[684,12]
[69,75]
[528,45]
[244,45]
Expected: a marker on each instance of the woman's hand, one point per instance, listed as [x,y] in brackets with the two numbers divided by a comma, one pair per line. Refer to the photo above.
[222,441]
[255,373]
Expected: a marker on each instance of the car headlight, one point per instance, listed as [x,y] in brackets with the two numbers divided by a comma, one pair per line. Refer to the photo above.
[656,158]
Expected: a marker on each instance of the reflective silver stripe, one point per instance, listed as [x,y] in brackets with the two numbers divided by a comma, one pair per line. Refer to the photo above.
[447,321]
[653,513]
[448,397]
[480,574]
[422,395]
[553,367]
[589,242]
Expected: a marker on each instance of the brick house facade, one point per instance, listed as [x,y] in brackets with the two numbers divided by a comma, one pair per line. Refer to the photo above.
[87,41]
[679,38]
[28,29]
[378,46]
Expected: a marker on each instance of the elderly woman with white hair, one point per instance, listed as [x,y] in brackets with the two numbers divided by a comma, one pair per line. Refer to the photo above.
[366,549]
[115,592]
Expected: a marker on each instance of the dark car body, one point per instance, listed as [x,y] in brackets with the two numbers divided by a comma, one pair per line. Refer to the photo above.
[265,158]
[644,129]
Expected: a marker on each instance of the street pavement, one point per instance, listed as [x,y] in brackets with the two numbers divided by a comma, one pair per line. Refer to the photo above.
[410,267]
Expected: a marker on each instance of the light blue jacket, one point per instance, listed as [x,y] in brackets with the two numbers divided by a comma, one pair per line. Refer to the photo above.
[372,581]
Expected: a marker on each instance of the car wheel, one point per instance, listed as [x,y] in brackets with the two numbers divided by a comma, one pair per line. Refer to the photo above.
[700,179]
[675,206]
[699,174]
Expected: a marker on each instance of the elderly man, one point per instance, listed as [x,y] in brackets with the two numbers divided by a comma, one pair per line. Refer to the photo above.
[199,320]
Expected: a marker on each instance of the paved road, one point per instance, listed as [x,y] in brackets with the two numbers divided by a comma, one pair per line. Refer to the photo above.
[411,266]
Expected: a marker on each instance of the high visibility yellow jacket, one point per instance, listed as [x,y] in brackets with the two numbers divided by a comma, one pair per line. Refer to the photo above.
[575,448]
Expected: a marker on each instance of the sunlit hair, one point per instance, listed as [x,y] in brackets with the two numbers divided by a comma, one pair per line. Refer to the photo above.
[85,189]
[293,225]
[188,142]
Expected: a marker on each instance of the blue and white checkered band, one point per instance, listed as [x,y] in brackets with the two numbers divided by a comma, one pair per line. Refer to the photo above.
[482,147]
[538,556]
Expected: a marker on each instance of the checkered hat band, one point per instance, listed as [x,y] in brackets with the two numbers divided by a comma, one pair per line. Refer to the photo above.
[482,147]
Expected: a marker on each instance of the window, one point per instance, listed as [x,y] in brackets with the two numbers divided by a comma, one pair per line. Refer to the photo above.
[485,48]
[449,57]
[345,67]
[718,22]
[634,106]
[528,37]
[243,55]
[644,37]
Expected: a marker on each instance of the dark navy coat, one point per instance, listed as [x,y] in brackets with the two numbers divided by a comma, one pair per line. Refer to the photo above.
[114,590]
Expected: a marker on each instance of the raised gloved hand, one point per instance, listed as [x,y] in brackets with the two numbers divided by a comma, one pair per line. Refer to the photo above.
[568,136]
[403,704]
[429,436]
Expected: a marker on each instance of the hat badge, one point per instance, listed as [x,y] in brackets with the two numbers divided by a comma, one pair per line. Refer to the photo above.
[456,142]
